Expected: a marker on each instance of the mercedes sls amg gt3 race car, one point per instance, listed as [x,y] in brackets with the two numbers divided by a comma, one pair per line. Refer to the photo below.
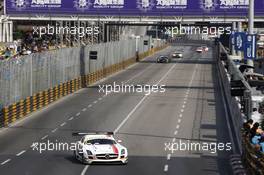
[100,148]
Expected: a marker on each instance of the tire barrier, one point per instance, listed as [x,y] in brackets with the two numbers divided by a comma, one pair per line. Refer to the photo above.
[16,111]
[253,159]
[24,107]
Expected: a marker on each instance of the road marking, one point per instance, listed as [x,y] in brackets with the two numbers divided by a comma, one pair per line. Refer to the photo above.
[84,109]
[175,133]
[99,98]
[22,152]
[130,114]
[90,106]
[6,161]
[183,106]
[179,120]
[44,137]
[70,119]
[78,114]
[166,167]
[95,102]
[54,130]
[178,126]
[63,124]
[104,95]
[141,101]
[182,110]
[180,115]
[85,169]
[168,156]
[174,139]
[185,99]
[185,102]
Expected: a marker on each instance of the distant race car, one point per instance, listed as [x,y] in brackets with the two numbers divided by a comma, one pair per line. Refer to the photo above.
[199,49]
[163,59]
[177,55]
[100,148]
[202,49]
[205,48]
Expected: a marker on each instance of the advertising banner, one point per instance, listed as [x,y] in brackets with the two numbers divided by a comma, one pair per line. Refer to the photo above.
[133,7]
[240,39]
[250,50]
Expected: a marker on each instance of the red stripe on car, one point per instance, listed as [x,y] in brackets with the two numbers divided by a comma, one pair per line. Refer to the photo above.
[115,149]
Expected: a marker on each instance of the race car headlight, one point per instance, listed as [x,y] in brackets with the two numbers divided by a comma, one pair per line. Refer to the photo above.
[89,153]
[123,151]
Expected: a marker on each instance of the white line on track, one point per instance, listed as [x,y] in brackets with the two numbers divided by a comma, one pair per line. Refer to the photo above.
[54,130]
[85,169]
[168,156]
[20,153]
[90,106]
[140,102]
[70,119]
[166,167]
[6,161]
[63,124]
[78,114]
[84,109]
[44,137]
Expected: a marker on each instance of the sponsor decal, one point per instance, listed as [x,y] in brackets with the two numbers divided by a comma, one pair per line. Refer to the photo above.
[208,5]
[234,4]
[145,5]
[173,4]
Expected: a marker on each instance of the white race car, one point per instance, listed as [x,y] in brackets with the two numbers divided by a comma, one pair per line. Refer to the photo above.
[100,148]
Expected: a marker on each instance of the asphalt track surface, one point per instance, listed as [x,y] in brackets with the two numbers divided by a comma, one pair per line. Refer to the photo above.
[190,110]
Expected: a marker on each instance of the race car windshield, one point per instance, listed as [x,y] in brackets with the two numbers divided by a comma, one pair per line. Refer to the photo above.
[101,142]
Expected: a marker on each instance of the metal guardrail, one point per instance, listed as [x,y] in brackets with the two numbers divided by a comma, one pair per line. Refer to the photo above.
[235,115]
[249,160]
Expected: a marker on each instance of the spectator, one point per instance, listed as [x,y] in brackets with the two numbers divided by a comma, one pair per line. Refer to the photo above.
[253,130]
[261,144]
[7,53]
[256,139]
[247,126]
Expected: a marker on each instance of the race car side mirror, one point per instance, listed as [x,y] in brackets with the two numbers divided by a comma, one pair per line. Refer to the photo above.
[119,141]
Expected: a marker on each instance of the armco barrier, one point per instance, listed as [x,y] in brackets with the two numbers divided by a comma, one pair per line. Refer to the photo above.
[253,160]
[13,112]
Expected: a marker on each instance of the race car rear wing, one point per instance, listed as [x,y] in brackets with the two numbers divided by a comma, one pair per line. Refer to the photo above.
[91,133]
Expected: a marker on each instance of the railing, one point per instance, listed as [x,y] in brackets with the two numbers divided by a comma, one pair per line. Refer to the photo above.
[252,159]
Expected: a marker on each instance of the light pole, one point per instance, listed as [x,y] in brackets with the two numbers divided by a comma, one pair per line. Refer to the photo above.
[250,62]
